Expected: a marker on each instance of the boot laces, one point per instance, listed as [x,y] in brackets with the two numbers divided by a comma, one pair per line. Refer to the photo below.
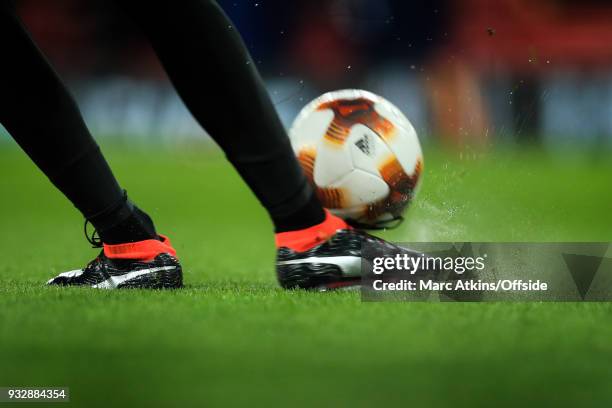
[93,238]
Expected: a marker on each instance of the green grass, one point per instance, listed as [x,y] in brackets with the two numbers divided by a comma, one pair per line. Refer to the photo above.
[231,337]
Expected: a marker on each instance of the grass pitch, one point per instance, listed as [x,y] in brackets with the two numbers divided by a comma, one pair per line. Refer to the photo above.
[232,337]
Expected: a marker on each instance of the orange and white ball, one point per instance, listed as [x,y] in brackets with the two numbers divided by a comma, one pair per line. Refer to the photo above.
[361,154]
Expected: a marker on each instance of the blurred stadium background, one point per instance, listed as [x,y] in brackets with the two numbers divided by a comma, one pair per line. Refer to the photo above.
[471,72]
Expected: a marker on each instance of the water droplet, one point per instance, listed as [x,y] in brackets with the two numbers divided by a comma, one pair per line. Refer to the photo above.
[256,4]
[348,67]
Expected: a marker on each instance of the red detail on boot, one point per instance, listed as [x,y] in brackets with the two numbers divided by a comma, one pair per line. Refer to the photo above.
[145,250]
[304,239]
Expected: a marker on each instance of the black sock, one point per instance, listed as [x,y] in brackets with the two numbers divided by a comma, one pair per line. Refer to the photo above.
[39,113]
[123,223]
[207,62]
[306,216]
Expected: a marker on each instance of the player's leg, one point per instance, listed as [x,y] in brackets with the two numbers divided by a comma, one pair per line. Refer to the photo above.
[39,113]
[211,69]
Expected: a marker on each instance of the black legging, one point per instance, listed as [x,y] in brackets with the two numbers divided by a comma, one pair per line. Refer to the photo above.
[42,117]
[212,71]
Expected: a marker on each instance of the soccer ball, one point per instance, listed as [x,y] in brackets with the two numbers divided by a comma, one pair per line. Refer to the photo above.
[360,153]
